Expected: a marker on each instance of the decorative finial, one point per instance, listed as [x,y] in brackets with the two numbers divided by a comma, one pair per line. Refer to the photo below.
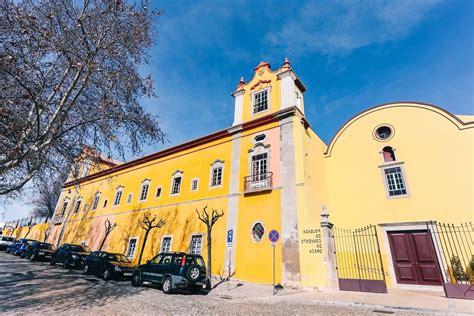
[287,62]
[241,83]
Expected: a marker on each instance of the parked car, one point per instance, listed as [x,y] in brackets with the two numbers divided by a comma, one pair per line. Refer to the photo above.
[19,246]
[70,256]
[6,241]
[38,251]
[174,271]
[108,265]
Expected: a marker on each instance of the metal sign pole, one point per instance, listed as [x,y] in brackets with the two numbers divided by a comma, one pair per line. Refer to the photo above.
[273,244]
[228,272]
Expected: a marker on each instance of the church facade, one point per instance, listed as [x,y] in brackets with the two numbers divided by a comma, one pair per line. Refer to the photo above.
[396,168]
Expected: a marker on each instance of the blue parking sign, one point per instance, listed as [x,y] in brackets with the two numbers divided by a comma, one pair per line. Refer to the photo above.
[230,236]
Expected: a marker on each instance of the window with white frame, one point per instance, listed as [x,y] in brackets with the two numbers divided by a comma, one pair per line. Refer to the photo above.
[118,196]
[216,173]
[86,207]
[166,244]
[194,184]
[158,192]
[129,198]
[394,181]
[131,247]
[78,205]
[105,203]
[63,209]
[144,190]
[260,101]
[195,247]
[95,203]
[176,182]
[260,165]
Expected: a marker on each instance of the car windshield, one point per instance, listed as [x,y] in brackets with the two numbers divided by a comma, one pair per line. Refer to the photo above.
[4,238]
[117,257]
[46,246]
[78,248]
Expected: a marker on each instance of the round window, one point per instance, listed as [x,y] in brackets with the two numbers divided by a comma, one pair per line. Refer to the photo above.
[383,132]
[257,232]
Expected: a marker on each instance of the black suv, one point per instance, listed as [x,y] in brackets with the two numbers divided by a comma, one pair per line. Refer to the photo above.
[39,251]
[108,265]
[71,256]
[174,271]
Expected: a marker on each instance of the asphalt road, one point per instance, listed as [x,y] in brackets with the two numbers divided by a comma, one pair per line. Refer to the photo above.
[37,287]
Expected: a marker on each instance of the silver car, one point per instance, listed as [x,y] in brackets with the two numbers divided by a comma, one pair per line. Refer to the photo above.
[6,241]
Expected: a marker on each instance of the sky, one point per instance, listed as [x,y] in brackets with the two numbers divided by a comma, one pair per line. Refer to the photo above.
[351,55]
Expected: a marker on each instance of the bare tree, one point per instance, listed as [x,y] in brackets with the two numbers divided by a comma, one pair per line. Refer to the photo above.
[147,223]
[30,225]
[109,227]
[209,220]
[69,77]
[45,200]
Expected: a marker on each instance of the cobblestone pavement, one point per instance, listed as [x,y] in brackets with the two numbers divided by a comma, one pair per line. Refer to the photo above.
[27,287]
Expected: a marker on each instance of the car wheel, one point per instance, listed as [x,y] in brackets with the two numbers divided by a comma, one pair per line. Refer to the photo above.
[22,255]
[86,269]
[66,263]
[137,279]
[106,275]
[167,286]
[193,273]
[33,257]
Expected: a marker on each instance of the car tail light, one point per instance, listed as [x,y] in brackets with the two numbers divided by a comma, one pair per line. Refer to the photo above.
[183,261]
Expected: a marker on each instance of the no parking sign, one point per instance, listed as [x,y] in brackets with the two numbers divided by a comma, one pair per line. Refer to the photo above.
[274,235]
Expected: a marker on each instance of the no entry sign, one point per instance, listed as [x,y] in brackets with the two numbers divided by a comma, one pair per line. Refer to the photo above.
[273,235]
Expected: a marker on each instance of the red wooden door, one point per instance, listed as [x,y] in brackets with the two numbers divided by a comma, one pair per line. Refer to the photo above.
[414,258]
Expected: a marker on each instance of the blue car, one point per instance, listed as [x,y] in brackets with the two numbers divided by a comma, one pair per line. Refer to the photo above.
[19,247]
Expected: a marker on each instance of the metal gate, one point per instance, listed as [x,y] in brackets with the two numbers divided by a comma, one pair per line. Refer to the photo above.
[358,260]
[455,247]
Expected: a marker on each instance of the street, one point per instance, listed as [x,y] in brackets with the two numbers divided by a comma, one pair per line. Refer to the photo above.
[27,287]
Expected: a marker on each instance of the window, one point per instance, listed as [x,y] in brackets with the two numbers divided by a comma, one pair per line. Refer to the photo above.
[118,196]
[86,207]
[260,101]
[394,181]
[388,154]
[259,165]
[166,244]
[129,198]
[194,184]
[78,205]
[257,232]
[131,247]
[176,184]
[63,210]
[216,177]
[196,245]
[158,192]
[157,259]
[383,133]
[168,259]
[144,190]
[95,203]
[105,203]
[259,138]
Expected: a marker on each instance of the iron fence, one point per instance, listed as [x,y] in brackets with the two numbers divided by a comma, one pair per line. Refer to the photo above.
[258,182]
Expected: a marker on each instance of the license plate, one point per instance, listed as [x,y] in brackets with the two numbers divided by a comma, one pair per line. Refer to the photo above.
[127,274]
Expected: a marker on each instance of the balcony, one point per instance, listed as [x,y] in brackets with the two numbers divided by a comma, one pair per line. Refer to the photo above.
[58,218]
[258,182]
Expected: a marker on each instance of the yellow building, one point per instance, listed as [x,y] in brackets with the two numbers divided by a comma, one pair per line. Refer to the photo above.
[396,166]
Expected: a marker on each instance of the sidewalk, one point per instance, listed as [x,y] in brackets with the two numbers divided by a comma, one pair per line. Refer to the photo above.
[410,301]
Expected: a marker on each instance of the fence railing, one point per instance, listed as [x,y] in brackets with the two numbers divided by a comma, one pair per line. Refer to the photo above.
[27,221]
[455,245]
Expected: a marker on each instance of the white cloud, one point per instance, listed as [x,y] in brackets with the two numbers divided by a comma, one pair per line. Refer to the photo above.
[334,27]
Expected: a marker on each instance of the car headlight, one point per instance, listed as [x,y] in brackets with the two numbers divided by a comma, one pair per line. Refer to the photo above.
[117,269]
[75,257]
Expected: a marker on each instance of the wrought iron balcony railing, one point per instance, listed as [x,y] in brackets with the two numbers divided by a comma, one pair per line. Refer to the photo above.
[258,182]
[58,218]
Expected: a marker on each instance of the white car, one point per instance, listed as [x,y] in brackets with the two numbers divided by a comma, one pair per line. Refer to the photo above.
[6,241]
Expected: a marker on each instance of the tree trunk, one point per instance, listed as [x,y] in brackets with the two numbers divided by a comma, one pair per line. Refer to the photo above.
[209,252]
[143,246]
[103,241]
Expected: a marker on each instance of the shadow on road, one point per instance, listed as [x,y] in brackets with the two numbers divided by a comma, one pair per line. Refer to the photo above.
[39,286]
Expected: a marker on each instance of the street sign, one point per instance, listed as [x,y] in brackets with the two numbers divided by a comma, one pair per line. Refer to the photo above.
[230,236]
[274,235]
